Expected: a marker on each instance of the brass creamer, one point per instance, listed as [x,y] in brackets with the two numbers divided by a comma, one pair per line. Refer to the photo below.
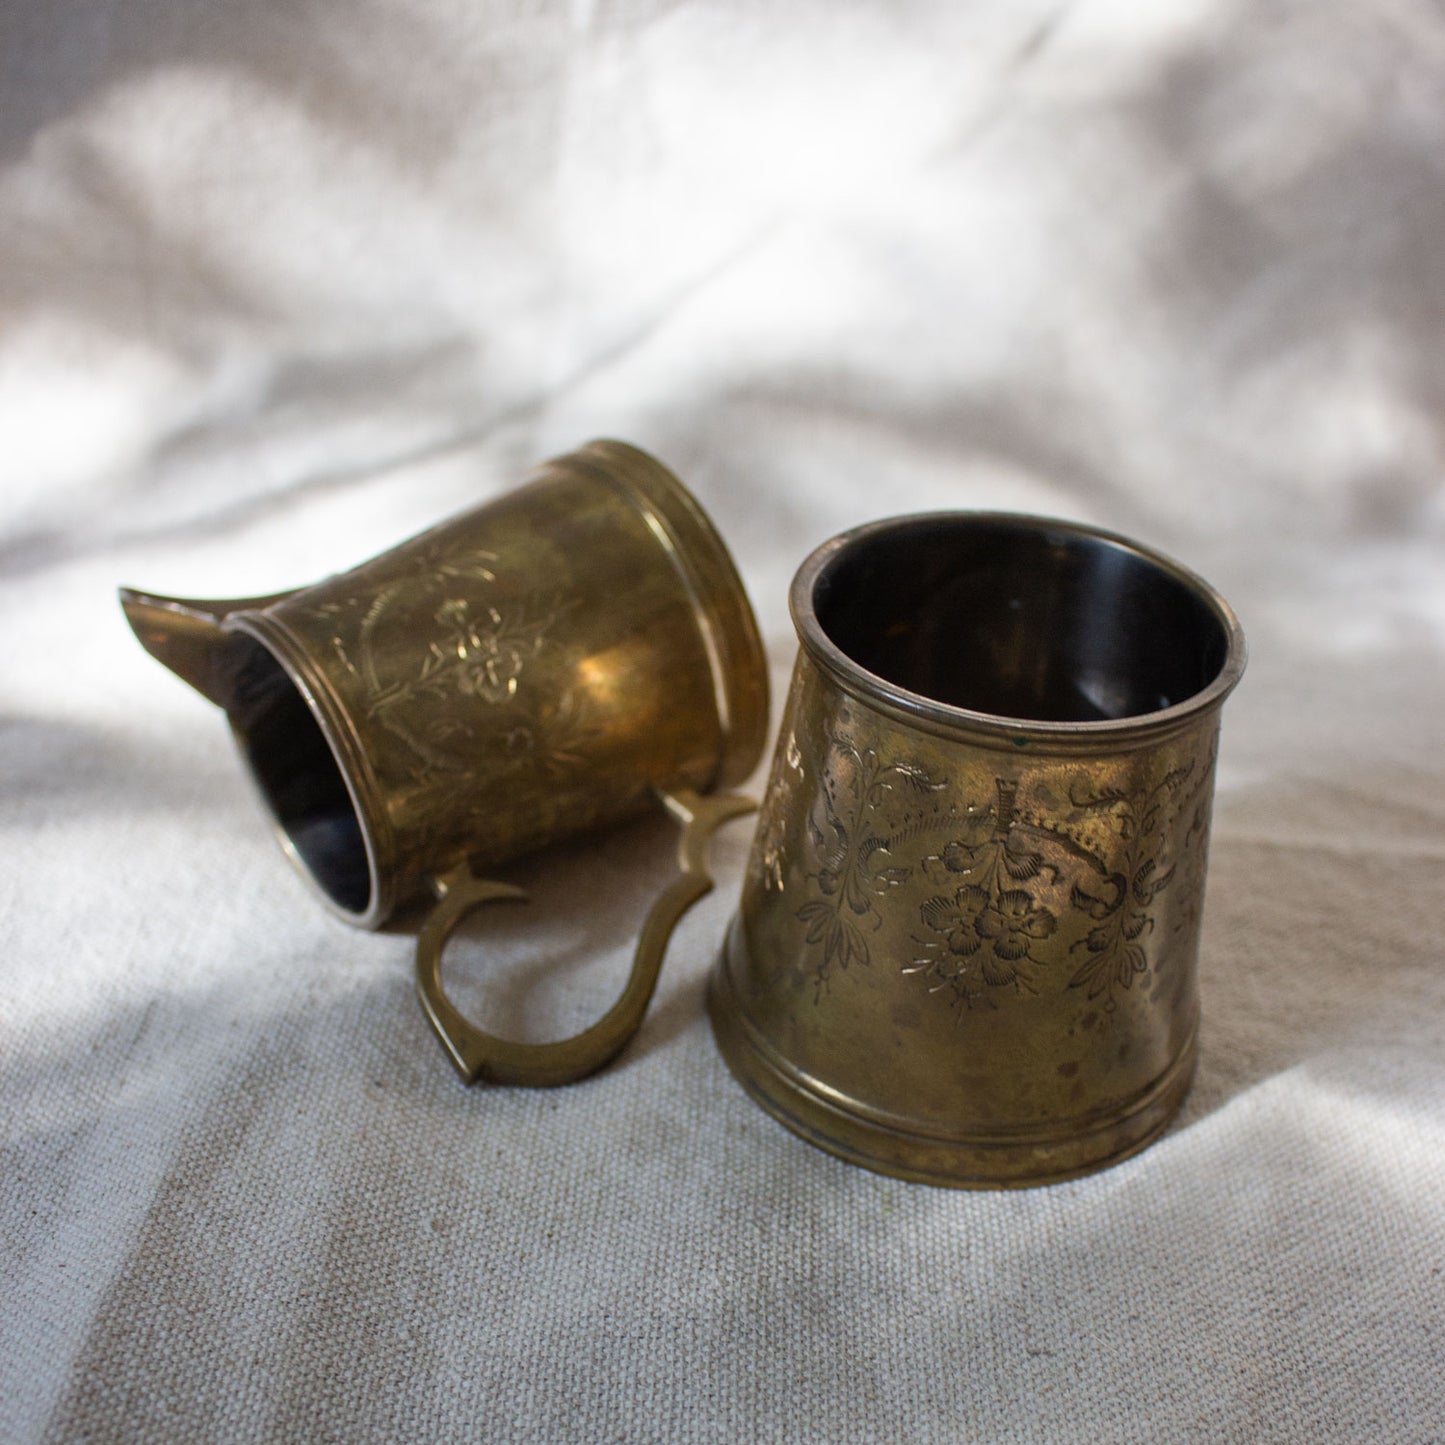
[553,661]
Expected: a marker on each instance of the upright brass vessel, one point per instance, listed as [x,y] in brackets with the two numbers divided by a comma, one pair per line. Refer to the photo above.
[555,660]
[967,942]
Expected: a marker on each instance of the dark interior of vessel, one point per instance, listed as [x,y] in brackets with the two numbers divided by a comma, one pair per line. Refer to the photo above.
[1019,620]
[298,775]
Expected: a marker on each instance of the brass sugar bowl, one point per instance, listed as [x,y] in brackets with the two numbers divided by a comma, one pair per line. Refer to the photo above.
[967,943]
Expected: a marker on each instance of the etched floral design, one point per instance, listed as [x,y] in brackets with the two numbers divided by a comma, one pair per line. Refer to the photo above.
[554,736]
[983,934]
[856,865]
[1025,889]
[769,849]
[485,655]
[957,920]
[480,650]
[1012,924]
[441,635]
[1121,903]
[1003,929]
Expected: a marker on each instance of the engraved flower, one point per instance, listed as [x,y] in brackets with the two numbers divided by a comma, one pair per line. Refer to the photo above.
[490,672]
[1012,923]
[484,656]
[957,919]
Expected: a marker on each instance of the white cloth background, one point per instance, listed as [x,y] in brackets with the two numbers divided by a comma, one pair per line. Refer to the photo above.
[282,284]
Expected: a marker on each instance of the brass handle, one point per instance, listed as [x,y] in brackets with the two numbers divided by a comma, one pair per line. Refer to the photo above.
[480,1055]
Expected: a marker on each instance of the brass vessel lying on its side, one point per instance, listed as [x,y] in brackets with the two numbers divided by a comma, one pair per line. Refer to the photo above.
[966,948]
[554,660]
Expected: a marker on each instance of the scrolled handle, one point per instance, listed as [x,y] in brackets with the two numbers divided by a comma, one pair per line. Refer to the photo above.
[480,1055]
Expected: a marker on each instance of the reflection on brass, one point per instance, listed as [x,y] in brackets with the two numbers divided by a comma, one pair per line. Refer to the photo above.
[966,948]
[555,660]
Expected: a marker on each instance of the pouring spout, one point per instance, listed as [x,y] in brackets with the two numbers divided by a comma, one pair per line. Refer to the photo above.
[188,634]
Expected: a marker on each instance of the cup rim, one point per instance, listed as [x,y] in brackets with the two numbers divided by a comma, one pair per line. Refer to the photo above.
[952,718]
[351,764]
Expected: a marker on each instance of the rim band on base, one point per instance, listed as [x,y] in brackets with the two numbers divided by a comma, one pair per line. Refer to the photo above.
[995,1161]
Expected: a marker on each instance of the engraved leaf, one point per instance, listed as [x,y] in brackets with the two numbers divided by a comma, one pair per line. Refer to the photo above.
[1082,795]
[938,913]
[1094,905]
[842,942]
[996,968]
[1136,925]
[834,854]
[932,868]
[817,916]
[1165,789]
[917,778]
[1175,777]
[1021,865]
[1119,968]
[1092,975]
[856,949]
[1148,882]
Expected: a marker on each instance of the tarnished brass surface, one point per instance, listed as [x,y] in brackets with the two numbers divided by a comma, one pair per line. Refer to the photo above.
[550,662]
[966,947]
